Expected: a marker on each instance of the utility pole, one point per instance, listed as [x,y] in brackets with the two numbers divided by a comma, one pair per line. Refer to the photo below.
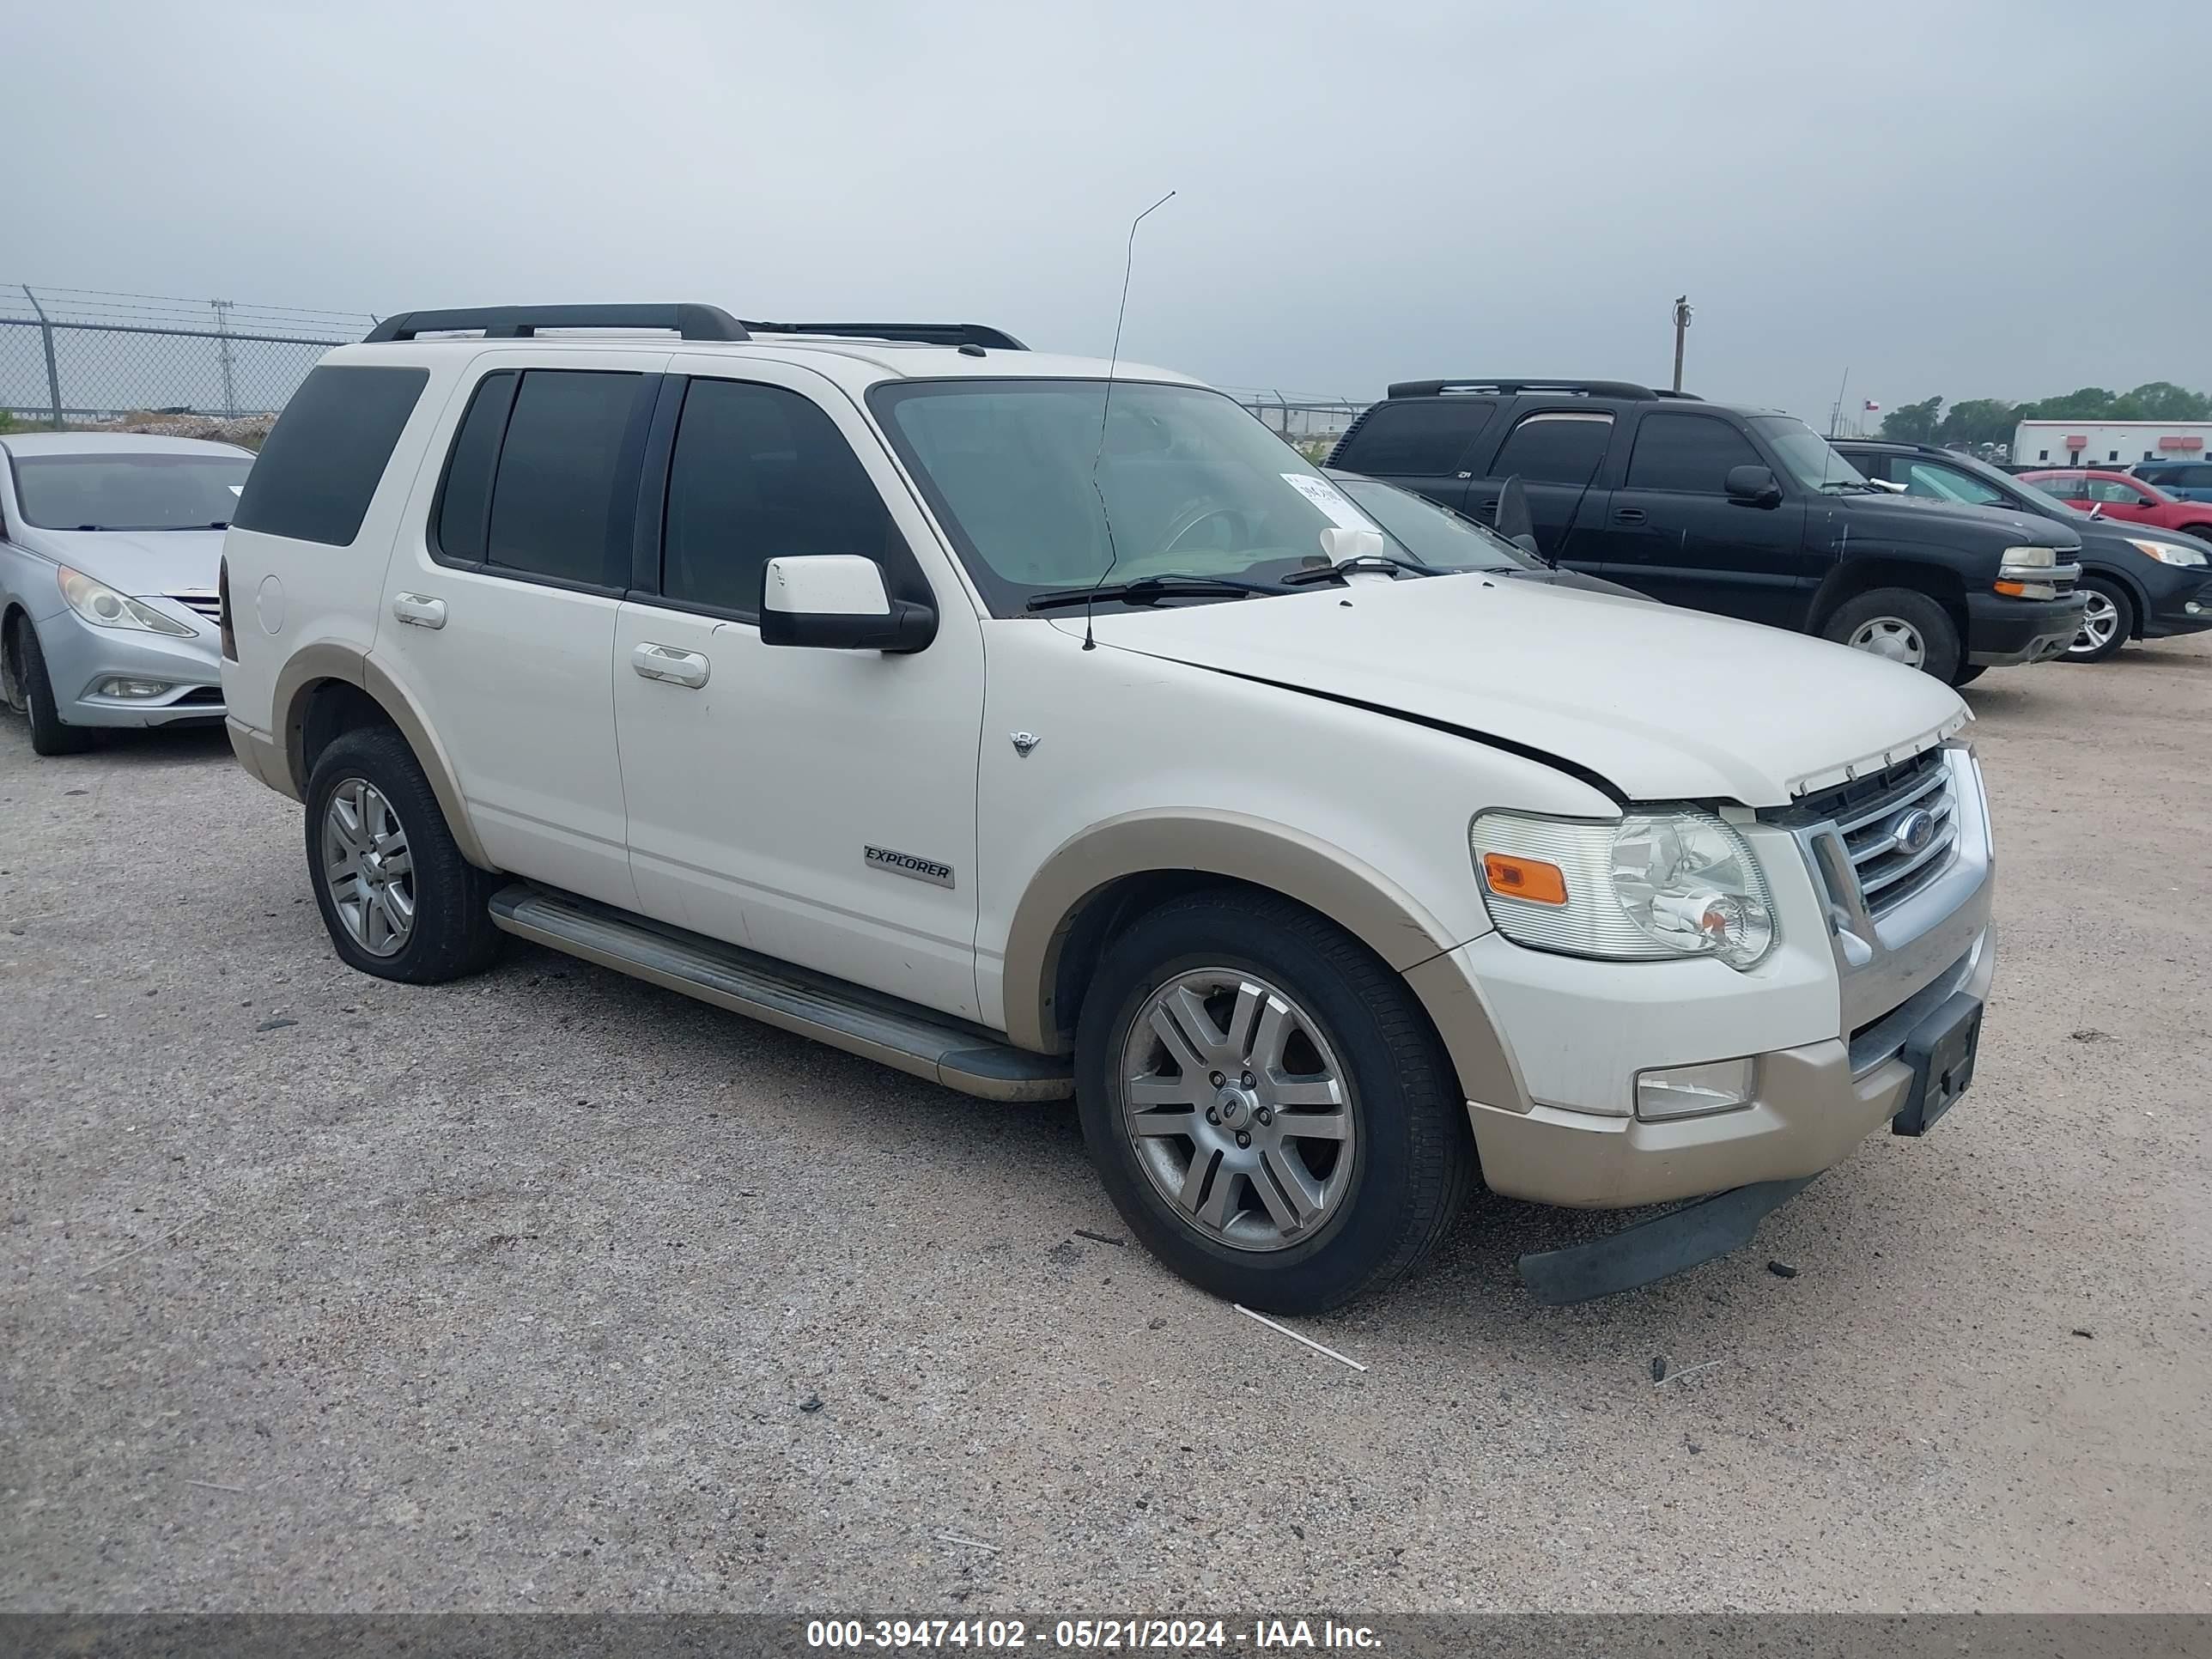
[1682,327]
[47,337]
[221,308]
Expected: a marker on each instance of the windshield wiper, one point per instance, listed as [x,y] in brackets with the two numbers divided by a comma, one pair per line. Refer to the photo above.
[1862,486]
[1382,562]
[1149,590]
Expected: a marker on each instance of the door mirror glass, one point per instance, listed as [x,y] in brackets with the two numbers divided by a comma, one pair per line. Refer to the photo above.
[839,602]
[1753,486]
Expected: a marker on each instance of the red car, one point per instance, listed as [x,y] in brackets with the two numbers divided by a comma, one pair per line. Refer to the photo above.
[2116,496]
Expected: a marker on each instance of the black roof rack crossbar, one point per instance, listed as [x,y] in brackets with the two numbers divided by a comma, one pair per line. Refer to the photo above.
[1623,389]
[693,322]
[944,334]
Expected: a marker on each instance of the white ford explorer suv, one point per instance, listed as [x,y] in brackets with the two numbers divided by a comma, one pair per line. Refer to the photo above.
[1041,732]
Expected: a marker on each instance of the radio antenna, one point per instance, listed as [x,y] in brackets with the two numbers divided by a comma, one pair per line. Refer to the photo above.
[1105,407]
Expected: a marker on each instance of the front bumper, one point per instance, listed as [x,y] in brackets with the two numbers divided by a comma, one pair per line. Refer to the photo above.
[1826,1017]
[1815,1104]
[2002,632]
[79,656]
[2187,609]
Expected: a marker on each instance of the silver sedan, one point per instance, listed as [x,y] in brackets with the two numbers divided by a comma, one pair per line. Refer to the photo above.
[109,549]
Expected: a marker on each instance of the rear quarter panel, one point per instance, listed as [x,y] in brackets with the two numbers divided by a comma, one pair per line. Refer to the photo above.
[289,596]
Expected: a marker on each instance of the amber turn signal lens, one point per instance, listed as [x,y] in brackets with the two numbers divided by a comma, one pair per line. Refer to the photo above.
[1523,878]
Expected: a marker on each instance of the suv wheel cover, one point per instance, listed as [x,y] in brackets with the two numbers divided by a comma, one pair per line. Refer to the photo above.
[1238,1110]
[1891,637]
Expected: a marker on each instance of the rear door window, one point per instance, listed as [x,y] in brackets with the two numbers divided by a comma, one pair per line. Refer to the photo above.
[1555,447]
[542,480]
[1691,454]
[761,473]
[1416,437]
[321,463]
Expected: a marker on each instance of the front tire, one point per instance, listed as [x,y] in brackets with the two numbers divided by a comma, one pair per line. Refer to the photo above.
[50,734]
[1335,1150]
[1904,626]
[399,900]
[2107,624]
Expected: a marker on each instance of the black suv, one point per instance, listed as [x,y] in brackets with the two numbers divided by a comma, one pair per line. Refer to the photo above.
[1744,511]
[2140,582]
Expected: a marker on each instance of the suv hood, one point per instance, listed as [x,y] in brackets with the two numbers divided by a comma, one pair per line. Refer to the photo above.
[139,563]
[1663,704]
[1946,524]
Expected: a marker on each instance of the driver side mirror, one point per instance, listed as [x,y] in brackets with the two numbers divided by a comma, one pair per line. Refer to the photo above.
[839,602]
[1752,486]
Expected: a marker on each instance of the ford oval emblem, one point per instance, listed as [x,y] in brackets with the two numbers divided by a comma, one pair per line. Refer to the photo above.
[1913,831]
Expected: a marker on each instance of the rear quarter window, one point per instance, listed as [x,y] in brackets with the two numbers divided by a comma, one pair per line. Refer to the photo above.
[1415,437]
[322,461]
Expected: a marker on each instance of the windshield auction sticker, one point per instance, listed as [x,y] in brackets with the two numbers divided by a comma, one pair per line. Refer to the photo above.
[1330,499]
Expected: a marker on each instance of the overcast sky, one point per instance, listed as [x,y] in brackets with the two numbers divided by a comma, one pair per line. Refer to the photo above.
[1954,197]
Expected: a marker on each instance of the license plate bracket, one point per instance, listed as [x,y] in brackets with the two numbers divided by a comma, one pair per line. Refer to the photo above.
[1941,1050]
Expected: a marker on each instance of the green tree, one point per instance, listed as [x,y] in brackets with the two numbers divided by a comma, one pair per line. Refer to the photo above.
[1979,420]
[2162,400]
[1914,424]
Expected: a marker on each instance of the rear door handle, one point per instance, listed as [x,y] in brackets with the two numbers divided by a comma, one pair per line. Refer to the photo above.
[420,608]
[665,662]
[1628,515]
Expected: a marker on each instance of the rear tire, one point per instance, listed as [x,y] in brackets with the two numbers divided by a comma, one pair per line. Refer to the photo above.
[399,900]
[1355,1152]
[1901,624]
[1969,674]
[2108,625]
[50,734]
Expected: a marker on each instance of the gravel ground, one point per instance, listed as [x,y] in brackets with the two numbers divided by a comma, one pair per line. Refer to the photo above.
[551,1290]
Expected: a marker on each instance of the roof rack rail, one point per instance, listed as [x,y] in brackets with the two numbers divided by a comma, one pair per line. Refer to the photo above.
[1686,397]
[944,334]
[1624,389]
[693,322]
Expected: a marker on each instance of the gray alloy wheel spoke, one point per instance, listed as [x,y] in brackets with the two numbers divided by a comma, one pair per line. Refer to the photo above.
[1215,1212]
[1194,1180]
[1261,1159]
[1284,1171]
[368,870]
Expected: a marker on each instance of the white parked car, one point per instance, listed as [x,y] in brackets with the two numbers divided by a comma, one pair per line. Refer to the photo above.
[108,548]
[915,692]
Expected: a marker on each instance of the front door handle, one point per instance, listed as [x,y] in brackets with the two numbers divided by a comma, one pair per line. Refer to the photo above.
[665,662]
[1628,515]
[420,608]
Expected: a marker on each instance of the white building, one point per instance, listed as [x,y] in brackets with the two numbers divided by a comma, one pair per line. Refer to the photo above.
[2108,443]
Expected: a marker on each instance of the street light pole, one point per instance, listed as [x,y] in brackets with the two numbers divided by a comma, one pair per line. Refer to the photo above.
[1682,327]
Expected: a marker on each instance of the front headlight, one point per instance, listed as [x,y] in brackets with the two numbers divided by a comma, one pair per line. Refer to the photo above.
[1654,885]
[103,607]
[2167,552]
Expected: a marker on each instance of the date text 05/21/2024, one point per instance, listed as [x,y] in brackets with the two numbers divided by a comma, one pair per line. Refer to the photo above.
[1090,1635]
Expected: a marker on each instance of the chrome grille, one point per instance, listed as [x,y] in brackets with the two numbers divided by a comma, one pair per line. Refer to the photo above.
[206,605]
[1869,812]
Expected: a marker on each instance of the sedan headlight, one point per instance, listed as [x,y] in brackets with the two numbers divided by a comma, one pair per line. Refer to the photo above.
[2167,552]
[103,607]
[1655,885]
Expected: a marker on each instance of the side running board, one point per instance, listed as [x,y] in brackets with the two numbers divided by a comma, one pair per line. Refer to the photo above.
[918,1040]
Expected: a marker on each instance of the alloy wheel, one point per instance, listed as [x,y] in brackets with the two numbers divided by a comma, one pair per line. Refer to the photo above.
[2100,621]
[1238,1109]
[369,868]
[1891,637]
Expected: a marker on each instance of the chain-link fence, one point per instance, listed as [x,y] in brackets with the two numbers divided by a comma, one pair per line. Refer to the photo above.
[77,356]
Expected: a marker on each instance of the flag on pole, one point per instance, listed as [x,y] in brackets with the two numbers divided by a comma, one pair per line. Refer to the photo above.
[1872,407]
